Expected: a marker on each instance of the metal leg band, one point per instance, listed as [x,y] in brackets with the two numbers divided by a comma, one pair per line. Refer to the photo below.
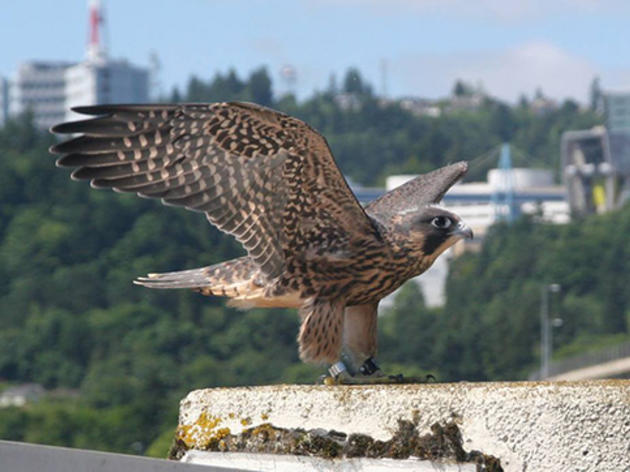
[336,369]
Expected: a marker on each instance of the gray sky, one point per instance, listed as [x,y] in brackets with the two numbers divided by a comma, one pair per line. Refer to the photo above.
[508,46]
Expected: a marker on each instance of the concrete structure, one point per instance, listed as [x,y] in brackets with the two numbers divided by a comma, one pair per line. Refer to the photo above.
[596,169]
[287,463]
[596,162]
[49,89]
[104,81]
[40,88]
[528,426]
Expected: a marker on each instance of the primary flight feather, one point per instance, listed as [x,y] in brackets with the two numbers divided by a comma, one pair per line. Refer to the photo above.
[271,181]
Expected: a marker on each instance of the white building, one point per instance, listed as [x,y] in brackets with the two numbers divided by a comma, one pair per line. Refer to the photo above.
[20,395]
[39,87]
[49,89]
[104,81]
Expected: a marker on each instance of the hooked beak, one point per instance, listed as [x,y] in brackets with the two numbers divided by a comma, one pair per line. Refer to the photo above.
[462,230]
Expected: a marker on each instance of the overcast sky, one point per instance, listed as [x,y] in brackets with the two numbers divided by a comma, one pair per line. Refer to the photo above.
[510,47]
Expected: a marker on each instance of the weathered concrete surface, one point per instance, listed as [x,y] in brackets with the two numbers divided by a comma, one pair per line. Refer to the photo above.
[276,463]
[529,426]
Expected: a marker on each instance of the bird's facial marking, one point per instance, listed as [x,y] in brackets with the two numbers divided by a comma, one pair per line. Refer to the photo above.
[432,241]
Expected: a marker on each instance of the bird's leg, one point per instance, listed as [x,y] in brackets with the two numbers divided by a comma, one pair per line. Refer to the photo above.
[368,373]
[356,364]
[348,370]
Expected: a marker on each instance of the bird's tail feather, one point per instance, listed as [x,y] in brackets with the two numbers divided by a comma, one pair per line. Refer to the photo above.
[225,279]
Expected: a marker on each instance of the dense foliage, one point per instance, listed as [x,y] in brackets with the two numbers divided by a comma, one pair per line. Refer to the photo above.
[119,357]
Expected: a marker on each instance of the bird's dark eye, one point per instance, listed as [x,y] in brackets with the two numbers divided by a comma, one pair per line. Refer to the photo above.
[441,222]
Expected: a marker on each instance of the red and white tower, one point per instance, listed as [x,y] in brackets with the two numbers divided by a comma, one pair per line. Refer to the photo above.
[95,49]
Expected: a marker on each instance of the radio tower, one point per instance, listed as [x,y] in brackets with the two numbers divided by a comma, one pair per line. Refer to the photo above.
[95,50]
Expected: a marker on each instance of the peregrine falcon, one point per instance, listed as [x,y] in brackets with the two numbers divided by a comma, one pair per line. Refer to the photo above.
[270,180]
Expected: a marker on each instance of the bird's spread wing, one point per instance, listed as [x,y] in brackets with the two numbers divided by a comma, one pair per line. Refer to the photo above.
[423,190]
[265,177]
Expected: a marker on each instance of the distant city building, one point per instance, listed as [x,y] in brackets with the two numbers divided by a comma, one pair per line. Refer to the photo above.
[596,162]
[100,80]
[617,106]
[106,81]
[421,106]
[48,89]
[466,102]
[20,395]
[40,88]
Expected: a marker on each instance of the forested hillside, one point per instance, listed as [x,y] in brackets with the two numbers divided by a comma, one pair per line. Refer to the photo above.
[119,357]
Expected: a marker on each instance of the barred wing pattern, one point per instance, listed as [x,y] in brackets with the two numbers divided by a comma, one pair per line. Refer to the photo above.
[265,177]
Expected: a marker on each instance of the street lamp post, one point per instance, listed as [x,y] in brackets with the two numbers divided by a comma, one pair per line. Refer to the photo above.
[546,335]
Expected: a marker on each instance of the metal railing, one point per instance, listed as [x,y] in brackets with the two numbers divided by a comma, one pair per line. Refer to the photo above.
[24,457]
[612,353]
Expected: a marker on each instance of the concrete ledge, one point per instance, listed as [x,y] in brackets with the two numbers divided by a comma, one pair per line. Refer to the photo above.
[278,462]
[532,426]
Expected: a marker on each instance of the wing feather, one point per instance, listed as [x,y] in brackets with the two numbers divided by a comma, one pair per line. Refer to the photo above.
[257,174]
[423,190]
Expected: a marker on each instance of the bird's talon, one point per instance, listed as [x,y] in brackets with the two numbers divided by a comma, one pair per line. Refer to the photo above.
[327,380]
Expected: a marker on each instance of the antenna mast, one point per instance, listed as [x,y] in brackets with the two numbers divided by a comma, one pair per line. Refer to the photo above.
[95,50]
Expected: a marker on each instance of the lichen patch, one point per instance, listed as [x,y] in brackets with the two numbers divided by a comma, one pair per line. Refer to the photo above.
[204,433]
[442,444]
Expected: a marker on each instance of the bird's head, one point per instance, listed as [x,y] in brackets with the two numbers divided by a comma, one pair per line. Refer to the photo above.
[411,217]
[430,230]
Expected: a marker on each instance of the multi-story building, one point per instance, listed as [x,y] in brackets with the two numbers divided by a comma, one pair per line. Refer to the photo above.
[48,89]
[106,81]
[39,87]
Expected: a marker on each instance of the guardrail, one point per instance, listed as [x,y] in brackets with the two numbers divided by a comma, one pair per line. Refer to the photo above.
[24,457]
[588,359]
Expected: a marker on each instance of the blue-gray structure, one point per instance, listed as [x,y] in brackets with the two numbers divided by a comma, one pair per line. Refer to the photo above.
[4,100]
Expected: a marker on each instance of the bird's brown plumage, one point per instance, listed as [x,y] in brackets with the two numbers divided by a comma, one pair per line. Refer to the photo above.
[262,176]
[271,181]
